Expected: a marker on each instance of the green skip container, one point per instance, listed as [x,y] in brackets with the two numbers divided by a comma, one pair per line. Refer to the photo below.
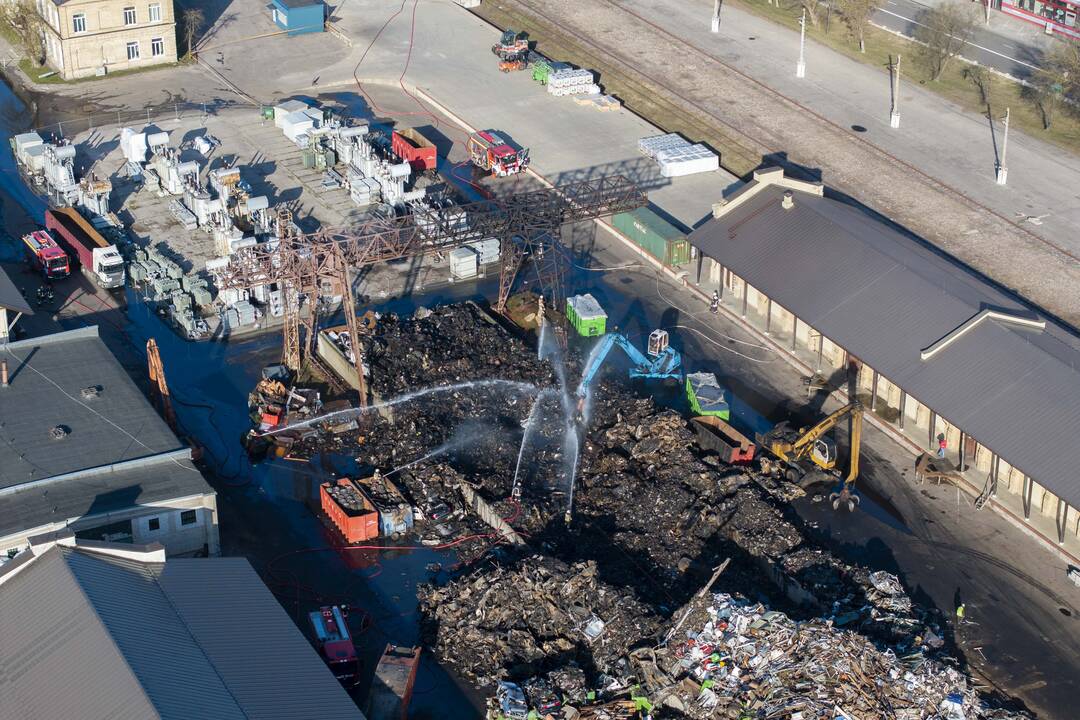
[654,235]
[586,316]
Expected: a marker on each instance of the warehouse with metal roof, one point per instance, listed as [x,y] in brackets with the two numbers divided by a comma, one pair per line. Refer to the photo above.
[83,448]
[941,351]
[104,630]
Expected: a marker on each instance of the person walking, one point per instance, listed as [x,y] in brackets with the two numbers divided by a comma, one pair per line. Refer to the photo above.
[714,305]
[941,445]
[960,610]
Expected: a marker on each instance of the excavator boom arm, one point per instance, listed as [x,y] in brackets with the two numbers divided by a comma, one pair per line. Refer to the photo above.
[807,439]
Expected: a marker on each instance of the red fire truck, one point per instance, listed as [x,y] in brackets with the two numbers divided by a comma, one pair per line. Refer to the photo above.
[488,151]
[335,642]
[46,255]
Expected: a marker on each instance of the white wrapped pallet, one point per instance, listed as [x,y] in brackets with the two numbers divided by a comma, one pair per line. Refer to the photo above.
[687,161]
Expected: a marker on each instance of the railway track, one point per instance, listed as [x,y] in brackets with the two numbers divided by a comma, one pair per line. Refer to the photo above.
[972,231]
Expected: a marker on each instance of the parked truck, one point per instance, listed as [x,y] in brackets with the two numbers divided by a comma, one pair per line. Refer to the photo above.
[415,149]
[98,257]
[491,152]
[47,257]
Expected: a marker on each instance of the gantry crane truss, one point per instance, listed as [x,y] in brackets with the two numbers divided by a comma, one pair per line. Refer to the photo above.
[527,224]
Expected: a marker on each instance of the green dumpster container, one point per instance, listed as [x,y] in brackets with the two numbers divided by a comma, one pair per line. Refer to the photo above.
[586,316]
[267,112]
[706,396]
[654,235]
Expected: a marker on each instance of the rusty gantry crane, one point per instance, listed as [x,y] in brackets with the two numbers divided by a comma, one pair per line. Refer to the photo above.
[319,264]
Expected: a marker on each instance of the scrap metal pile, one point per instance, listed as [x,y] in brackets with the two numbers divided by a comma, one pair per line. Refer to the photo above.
[735,658]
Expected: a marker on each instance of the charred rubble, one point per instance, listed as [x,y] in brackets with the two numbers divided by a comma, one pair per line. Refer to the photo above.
[607,607]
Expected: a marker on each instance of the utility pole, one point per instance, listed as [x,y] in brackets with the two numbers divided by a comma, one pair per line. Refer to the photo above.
[1002,168]
[800,67]
[986,7]
[894,117]
[716,16]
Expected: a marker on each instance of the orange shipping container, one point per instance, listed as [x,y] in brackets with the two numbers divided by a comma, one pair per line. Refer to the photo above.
[349,510]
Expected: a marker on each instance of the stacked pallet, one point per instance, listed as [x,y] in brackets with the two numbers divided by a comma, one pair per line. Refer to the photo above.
[676,156]
[487,251]
[572,82]
[463,263]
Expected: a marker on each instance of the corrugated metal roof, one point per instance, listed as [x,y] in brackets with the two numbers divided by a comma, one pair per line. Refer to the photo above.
[161,478]
[57,660]
[884,296]
[10,297]
[91,636]
[47,377]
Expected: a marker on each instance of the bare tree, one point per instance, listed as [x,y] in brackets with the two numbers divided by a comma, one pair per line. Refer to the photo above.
[857,14]
[27,26]
[983,80]
[193,20]
[944,30]
[813,7]
[1058,78]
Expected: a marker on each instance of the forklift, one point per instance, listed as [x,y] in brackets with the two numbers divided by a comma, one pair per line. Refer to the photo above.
[809,456]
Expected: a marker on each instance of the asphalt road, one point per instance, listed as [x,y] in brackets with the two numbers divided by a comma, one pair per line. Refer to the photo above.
[987,47]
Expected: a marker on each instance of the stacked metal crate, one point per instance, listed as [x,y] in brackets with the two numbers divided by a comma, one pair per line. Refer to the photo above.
[677,162]
[676,156]
[572,82]
[487,251]
[463,263]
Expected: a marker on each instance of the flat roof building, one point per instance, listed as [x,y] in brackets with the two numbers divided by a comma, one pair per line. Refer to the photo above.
[940,350]
[82,448]
[101,630]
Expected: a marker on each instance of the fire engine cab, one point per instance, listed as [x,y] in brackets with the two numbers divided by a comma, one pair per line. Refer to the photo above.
[48,257]
[489,151]
[335,642]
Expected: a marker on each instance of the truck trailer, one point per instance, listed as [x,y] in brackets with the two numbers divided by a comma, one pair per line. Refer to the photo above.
[99,258]
[46,256]
[415,149]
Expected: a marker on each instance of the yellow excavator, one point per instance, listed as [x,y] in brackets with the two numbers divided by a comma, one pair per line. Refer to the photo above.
[809,457]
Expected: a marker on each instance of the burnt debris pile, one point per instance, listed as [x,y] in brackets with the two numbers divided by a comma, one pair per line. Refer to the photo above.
[532,616]
[593,528]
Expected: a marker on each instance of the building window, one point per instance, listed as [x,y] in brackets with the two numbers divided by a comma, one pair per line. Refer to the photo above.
[78,23]
[157,47]
[155,13]
[129,18]
[153,524]
[188,517]
[133,50]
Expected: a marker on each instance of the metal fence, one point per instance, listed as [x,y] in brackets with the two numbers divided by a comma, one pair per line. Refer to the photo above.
[74,124]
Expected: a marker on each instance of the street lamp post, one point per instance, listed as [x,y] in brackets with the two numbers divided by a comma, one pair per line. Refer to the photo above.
[716,16]
[1002,168]
[894,117]
[800,67]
